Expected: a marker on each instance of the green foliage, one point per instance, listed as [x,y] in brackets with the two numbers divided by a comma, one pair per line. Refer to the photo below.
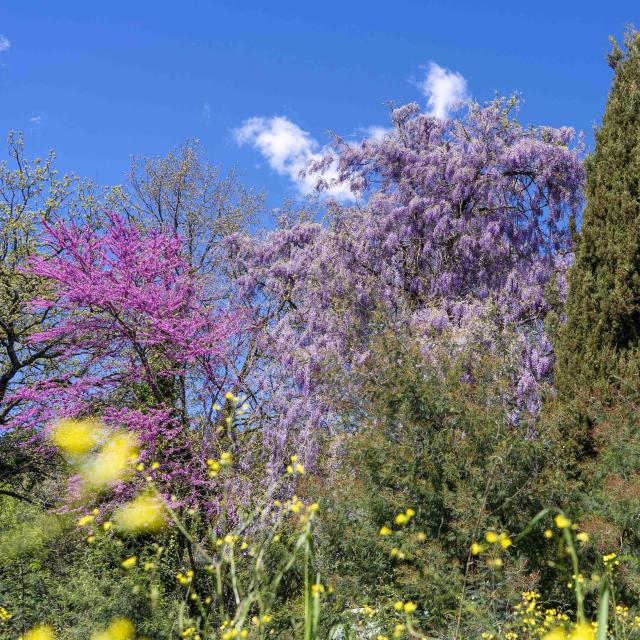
[444,448]
[601,338]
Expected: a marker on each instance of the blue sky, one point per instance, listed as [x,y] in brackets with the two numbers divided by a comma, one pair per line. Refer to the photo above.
[98,82]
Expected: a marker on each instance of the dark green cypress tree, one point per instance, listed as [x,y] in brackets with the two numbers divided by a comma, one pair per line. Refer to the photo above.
[600,343]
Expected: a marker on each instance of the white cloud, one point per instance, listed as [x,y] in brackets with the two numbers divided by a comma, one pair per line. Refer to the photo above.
[206,112]
[443,88]
[5,45]
[36,120]
[376,133]
[289,150]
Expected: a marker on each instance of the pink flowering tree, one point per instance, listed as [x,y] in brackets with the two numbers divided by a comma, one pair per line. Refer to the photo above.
[460,229]
[140,348]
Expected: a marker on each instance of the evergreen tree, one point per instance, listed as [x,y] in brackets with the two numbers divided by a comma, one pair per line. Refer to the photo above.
[601,340]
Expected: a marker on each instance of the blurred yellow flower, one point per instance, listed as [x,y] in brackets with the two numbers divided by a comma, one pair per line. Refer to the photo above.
[562,522]
[85,520]
[76,437]
[582,632]
[119,629]
[112,462]
[410,607]
[476,549]
[385,531]
[505,541]
[146,513]
[41,632]
[129,563]
[491,537]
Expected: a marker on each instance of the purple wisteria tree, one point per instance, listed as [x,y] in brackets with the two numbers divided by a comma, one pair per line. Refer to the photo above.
[461,228]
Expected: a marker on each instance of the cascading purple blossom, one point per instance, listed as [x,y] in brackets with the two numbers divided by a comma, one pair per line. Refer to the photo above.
[464,227]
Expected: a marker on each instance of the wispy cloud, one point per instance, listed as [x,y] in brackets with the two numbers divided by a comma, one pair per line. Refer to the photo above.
[206,113]
[35,120]
[375,132]
[288,150]
[5,45]
[443,89]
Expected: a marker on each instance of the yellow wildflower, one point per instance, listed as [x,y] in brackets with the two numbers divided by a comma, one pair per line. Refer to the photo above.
[410,607]
[119,629]
[476,549]
[401,518]
[583,536]
[111,463]
[130,562]
[75,437]
[556,634]
[399,605]
[85,520]
[505,541]
[385,531]
[491,537]
[548,534]
[145,513]
[562,522]
[41,632]
[582,632]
